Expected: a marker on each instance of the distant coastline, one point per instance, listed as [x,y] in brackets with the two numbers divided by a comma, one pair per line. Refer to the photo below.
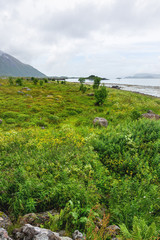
[144,75]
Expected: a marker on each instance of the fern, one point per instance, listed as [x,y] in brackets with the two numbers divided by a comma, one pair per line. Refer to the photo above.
[140,230]
[126,234]
[151,231]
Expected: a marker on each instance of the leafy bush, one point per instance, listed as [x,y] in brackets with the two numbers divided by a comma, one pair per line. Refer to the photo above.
[53,119]
[135,115]
[41,82]
[10,114]
[83,88]
[19,81]
[10,121]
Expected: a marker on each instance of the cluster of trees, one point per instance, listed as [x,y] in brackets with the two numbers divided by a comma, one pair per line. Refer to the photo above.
[100,92]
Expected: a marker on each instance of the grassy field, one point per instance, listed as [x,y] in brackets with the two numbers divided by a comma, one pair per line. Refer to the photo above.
[51,155]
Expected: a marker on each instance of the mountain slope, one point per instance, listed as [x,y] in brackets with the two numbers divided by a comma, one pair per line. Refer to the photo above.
[145,75]
[10,66]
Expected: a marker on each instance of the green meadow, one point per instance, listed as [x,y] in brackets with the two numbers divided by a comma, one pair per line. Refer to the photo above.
[53,157]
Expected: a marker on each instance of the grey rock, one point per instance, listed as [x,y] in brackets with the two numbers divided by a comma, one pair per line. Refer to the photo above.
[62,233]
[5,221]
[26,88]
[100,121]
[65,238]
[151,115]
[29,232]
[0,121]
[77,235]
[20,92]
[116,87]
[4,234]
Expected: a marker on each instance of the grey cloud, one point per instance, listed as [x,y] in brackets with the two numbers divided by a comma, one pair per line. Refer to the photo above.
[80,22]
[30,31]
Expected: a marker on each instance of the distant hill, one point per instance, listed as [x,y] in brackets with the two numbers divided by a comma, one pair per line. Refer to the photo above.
[10,66]
[145,75]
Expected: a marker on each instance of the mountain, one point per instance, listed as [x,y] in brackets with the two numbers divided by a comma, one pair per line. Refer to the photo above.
[145,75]
[10,66]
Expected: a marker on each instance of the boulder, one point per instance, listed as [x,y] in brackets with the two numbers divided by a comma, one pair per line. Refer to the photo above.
[4,234]
[116,86]
[151,115]
[29,232]
[5,221]
[77,235]
[100,121]
[26,89]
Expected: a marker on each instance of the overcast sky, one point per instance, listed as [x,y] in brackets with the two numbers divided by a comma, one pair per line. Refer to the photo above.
[110,38]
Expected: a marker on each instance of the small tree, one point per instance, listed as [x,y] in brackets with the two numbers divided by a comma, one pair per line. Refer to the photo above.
[81,80]
[35,81]
[97,81]
[41,82]
[19,81]
[100,95]
[82,87]
[10,81]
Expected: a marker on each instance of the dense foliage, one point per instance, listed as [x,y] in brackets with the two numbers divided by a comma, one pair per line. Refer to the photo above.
[51,155]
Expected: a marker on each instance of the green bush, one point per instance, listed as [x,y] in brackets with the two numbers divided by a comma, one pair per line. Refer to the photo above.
[53,119]
[101,95]
[41,82]
[11,82]
[10,121]
[10,114]
[19,81]
[83,88]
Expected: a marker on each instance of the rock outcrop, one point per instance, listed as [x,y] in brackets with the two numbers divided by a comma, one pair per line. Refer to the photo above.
[5,221]
[29,232]
[4,234]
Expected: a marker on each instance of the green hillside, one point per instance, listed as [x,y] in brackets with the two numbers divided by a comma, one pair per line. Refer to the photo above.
[52,157]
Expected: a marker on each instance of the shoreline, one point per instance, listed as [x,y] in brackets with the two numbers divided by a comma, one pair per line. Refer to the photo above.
[152,91]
